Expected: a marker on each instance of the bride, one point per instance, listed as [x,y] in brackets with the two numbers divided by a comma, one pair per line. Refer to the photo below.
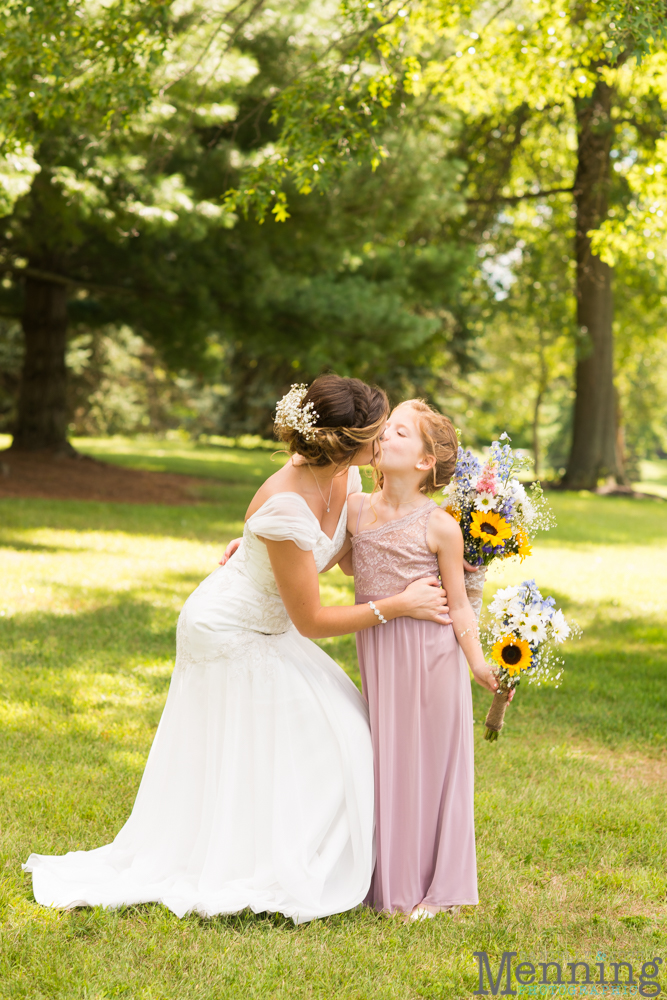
[258,790]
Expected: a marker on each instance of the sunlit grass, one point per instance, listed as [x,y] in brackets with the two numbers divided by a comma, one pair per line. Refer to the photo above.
[654,477]
[570,803]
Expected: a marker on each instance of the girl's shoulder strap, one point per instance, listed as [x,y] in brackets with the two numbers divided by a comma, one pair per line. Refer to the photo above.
[361,507]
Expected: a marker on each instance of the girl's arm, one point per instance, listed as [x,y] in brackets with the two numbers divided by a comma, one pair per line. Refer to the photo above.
[446,540]
[299,586]
[345,562]
[343,558]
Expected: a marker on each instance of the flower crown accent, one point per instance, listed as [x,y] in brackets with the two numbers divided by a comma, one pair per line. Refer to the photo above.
[291,413]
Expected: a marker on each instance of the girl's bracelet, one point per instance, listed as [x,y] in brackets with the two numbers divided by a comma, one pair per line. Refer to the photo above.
[381,617]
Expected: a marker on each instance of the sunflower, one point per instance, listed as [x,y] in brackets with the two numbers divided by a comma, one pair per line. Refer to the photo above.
[525,548]
[511,653]
[455,512]
[490,527]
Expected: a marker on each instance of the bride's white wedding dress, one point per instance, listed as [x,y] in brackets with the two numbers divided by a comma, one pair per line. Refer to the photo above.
[258,790]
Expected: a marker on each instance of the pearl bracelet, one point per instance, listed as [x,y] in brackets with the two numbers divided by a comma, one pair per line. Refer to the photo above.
[381,617]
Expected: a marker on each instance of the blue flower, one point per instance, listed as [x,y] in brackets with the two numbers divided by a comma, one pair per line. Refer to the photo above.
[507,508]
[467,465]
[503,458]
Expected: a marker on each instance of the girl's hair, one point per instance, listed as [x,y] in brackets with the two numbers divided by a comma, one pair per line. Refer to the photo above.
[350,415]
[440,440]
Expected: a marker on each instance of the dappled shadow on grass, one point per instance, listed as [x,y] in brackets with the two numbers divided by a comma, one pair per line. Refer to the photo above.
[247,468]
[113,637]
[600,520]
[206,522]
[80,699]
[21,545]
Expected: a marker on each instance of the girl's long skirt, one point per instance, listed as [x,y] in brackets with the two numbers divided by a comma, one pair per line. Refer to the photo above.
[417,684]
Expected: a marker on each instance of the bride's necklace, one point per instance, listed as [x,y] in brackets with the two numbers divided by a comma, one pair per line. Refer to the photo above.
[327,503]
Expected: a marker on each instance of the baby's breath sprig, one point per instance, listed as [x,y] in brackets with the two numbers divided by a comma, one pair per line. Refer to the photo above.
[292,414]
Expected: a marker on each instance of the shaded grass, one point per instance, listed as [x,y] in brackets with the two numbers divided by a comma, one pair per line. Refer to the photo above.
[570,803]
[249,466]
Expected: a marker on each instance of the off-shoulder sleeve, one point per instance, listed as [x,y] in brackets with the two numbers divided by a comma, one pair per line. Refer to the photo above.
[354,480]
[286,517]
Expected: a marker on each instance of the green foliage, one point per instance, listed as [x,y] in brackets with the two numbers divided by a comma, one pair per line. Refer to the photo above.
[81,65]
[424,257]
[131,209]
[502,89]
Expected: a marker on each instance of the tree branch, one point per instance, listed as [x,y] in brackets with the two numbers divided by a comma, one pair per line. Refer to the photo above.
[61,279]
[512,199]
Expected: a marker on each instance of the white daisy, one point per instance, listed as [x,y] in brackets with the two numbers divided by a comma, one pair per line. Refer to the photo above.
[533,628]
[515,608]
[559,627]
[518,490]
[502,599]
[485,501]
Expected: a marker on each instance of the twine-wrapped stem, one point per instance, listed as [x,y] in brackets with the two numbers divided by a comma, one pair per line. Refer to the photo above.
[494,721]
[496,714]
[475,589]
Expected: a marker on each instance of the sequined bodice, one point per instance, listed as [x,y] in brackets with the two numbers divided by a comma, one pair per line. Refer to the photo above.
[388,558]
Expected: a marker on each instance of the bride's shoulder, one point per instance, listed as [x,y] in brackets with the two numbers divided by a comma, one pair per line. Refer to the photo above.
[281,482]
[281,514]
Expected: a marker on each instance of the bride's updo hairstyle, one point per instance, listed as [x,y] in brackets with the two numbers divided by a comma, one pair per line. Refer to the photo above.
[332,420]
[440,441]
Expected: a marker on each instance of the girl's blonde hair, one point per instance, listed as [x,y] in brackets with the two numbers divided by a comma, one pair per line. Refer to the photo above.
[440,441]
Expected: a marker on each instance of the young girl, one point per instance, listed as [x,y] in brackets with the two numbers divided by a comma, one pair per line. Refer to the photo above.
[414,673]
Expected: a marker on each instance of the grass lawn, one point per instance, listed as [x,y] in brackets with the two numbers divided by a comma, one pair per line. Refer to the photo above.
[571,805]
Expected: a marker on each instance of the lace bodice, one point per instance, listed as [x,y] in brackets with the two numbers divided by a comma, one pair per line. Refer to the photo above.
[388,558]
[287,516]
[238,606]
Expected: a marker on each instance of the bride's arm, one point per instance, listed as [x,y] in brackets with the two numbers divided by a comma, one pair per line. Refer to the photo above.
[299,586]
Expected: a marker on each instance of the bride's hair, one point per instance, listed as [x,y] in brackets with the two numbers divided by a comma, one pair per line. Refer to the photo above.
[350,415]
[440,441]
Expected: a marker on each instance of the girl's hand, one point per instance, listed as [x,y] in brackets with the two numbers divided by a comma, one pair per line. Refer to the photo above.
[486,677]
[468,568]
[426,600]
[230,550]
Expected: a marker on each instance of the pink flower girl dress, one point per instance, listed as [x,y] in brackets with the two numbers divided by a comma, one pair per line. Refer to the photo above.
[416,680]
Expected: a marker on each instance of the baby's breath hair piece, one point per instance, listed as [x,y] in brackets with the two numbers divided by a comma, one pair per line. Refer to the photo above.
[292,414]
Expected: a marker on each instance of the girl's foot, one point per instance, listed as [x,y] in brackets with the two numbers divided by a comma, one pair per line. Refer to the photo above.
[425,911]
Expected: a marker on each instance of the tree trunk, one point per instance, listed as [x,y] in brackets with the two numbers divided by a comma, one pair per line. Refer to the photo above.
[536,433]
[539,399]
[594,453]
[42,407]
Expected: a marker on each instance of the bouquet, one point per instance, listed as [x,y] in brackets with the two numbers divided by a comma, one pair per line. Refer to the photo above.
[525,629]
[498,516]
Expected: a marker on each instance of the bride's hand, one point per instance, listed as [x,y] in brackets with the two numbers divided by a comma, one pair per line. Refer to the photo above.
[425,599]
[230,550]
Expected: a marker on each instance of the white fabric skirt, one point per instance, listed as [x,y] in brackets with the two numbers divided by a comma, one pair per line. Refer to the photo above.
[258,792]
